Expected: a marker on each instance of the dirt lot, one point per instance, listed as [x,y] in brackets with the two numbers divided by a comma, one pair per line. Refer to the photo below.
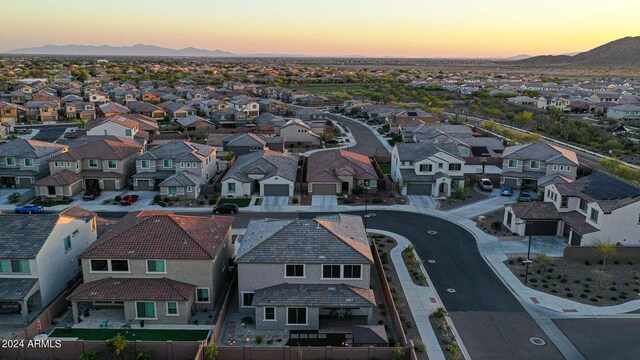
[379,198]
[471,196]
[494,217]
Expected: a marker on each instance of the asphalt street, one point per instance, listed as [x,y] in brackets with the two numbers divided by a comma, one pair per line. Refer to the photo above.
[599,339]
[366,142]
[48,133]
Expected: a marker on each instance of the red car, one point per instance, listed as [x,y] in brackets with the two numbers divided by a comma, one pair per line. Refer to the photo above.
[129,199]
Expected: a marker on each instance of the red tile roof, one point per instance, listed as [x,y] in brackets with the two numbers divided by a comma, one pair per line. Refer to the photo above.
[100,149]
[326,166]
[128,289]
[162,235]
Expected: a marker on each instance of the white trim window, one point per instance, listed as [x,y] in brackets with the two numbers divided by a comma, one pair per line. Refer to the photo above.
[189,188]
[145,164]
[297,316]
[28,162]
[331,272]
[11,161]
[512,164]
[146,310]
[269,314]
[534,164]
[105,265]
[112,164]
[168,163]
[202,295]
[93,163]
[172,308]
[294,271]
[247,299]
[352,272]
[156,266]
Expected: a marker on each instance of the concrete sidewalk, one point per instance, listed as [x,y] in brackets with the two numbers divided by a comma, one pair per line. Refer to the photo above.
[482,207]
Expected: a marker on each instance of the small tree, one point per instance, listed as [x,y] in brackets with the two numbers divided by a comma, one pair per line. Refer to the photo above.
[89,355]
[605,249]
[543,260]
[117,346]
[211,352]
[14,197]
[143,354]
[398,353]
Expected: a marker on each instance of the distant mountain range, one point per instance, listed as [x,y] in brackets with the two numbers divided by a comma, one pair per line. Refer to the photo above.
[623,52]
[106,50]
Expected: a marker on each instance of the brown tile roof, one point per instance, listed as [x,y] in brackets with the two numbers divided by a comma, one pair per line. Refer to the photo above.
[162,235]
[325,166]
[101,150]
[64,177]
[128,289]
[77,212]
[536,210]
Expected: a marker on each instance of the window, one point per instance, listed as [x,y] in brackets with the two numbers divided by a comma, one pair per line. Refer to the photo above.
[296,316]
[513,164]
[4,266]
[352,272]
[20,266]
[188,165]
[534,164]
[77,165]
[555,167]
[564,202]
[93,163]
[172,308]
[127,132]
[168,163]
[11,161]
[269,314]
[156,266]
[231,187]
[331,271]
[99,265]
[583,206]
[202,295]
[561,167]
[464,152]
[56,164]
[509,218]
[439,165]
[294,270]
[189,189]
[568,168]
[120,265]
[67,243]
[182,165]
[28,162]
[426,167]
[146,164]
[247,299]
[594,215]
[145,310]
[455,167]
[112,164]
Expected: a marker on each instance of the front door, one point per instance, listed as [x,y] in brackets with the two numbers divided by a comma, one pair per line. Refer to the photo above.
[51,190]
[173,190]
[345,187]
[442,189]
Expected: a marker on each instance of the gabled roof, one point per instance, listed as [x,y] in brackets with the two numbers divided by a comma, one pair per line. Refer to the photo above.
[183,178]
[314,295]
[420,151]
[329,239]
[326,166]
[267,162]
[101,150]
[178,150]
[162,235]
[114,107]
[542,151]
[132,289]
[64,177]
[27,148]
[186,121]
[609,192]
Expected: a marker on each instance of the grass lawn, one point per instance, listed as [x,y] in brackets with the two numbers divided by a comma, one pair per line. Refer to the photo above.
[330,340]
[386,168]
[47,203]
[133,334]
[241,202]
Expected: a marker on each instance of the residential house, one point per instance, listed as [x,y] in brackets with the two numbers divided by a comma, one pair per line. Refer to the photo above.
[268,172]
[624,112]
[23,162]
[193,123]
[309,114]
[80,110]
[597,207]
[11,113]
[38,259]
[229,118]
[426,168]
[98,97]
[298,132]
[246,143]
[156,268]
[523,100]
[42,110]
[117,125]
[295,274]
[534,165]
[247,105]
[339,172]
[177,168]
[112,108]
[146,109]
[553,102]
[272,106]
[180,110]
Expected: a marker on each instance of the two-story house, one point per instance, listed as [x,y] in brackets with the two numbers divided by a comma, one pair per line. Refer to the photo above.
[426,168]
[113,108]
[156,267]
[534,165]
[178,168]
[38,259]
[80,110]
[11,113]
[298,132]
[295,274]
[598,207]
[23,162]
[42,110]
[106,164]
[247,105]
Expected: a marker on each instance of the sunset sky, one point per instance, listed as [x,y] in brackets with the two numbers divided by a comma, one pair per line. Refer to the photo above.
[412,28]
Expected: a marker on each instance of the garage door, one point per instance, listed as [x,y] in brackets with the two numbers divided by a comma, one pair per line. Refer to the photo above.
[109,185]
[419,189]
[276,190]
[324,189]
[511,182]
[542,228]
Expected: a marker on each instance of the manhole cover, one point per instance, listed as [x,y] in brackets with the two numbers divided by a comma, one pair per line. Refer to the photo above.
[450,290]
[432,232]
[431,261]
[537,341]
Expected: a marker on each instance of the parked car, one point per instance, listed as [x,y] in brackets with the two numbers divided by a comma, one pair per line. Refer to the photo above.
[506,191]
[340,139]
[524,196]
[485,184]
[92,194]
[226,209]
[29,209]
[129,199]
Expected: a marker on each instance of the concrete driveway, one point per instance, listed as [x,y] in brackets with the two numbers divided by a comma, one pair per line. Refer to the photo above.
[324,200]
[4,194]
[422,201]
[275,201]
[549,245]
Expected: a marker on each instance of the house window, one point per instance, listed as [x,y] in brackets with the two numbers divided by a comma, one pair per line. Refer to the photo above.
[146,164]
[568,168]
[20,266]
[188,165]
[231,187]
[594,215]
[145,310]
[189,189]
[93,163]
[513,164]
[120,265]
[269,314]
[331,271]
[28,162]
[464,152]
[455,167]
[99,265]
[555,167]
[426,167]
[167,163]
[509,217]
[4,266]
[77,165]
[202,295]
[439,165]
[67,243]
[182,165]
[172,308]
[127,132]
[11,161]
[247,299]
[561,167]
[535,164]
[112,164]
[564,202]
[583,206]
[296,316]
[156,266]
[352,272]
[296,270]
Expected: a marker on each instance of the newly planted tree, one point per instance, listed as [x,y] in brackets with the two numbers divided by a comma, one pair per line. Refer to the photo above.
[606,250]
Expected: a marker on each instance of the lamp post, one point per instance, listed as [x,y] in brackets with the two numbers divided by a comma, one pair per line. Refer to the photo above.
[527,261]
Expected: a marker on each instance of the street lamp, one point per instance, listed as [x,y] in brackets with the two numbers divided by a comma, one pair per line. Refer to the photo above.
[527,261]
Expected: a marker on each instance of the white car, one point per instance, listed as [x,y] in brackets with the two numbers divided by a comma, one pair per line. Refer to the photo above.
[340,139]
[485,184]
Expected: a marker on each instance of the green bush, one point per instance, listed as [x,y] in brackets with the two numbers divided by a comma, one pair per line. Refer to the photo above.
[439,313]
[587,262]
[161,203]
[631,262]
[213,200]
[14,197]
[143,354]
[259,339]
[157,198]
[419,346]
[201,202]
[377,200]
[247,320]
[89,355]
[295,200]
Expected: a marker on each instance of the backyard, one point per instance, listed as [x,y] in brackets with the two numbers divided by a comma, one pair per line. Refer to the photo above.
[131,334]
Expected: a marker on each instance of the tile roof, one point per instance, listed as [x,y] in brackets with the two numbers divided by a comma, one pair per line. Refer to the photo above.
[27,148]
[133,289]
[314,295]
[16,289]
[178,150]
[326,166]
[331,239]
[183,178]
[420,151]
[162,235]
[537,210]
[114,107]
[267,162]
[552,154]
[609,192]
[101,150]
[64,177]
